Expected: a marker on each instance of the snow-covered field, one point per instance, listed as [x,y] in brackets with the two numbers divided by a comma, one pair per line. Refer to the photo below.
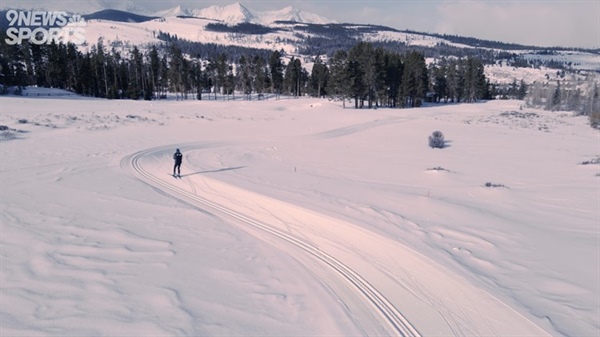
[296,217]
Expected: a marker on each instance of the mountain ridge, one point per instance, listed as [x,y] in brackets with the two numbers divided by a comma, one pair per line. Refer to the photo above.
[237,13]
[231,14]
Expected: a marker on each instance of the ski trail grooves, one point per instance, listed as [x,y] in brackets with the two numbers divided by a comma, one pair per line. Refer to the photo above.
[402,287]
[400,325]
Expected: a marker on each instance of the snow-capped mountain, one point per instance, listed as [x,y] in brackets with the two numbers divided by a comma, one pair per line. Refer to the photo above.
[232,14]
[175,11]
[237,13]
[291,14]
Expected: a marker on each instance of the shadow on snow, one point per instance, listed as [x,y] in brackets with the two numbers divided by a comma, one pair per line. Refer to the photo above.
[213,171]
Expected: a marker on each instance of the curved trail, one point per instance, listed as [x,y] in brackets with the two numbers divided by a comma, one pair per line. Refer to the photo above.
[398,323]
[402,288]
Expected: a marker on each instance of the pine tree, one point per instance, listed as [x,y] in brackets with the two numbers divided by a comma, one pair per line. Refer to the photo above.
[522,91]
[176,71]
[135,89]
[222,68]
[393,77]
[293,79]
[440,83]
[474,80]
[338,84]
[593,106]
[276,68]
[356,71]
[260,74]
[245,76]
[197,77]
[154,60]
[318,77]
[186,77]
[229,82]
[73,56]
[554,102]
[17,68]
[452,78]
[378,86]
[164,76]
[415,80]
[367,62]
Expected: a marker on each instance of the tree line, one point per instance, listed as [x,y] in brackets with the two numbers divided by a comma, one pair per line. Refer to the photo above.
[579,95]
[368,75]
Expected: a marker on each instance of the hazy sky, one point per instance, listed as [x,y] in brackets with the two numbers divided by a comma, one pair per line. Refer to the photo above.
[568,23]
[546,22]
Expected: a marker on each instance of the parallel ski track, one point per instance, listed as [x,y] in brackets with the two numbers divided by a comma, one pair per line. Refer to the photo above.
[400,325]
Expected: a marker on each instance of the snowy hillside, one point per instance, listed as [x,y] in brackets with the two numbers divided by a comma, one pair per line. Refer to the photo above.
[124,35]
[295,217]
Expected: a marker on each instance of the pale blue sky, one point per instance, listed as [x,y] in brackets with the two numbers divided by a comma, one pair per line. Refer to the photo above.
[568,23]
[547,23]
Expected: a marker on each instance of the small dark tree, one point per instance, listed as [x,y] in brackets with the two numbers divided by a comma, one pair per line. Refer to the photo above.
[522,91]
[556,99]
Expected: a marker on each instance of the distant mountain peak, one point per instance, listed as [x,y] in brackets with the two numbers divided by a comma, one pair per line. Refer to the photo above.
[175,11]
[237,13]
[231,14]
[293,14]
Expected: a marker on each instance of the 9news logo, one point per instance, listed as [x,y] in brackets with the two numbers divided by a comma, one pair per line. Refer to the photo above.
[41,27]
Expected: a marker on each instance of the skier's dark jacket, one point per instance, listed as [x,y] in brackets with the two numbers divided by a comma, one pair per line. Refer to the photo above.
[177,156]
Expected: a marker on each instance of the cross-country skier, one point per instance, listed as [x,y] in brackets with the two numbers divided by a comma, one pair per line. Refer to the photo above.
[177,156]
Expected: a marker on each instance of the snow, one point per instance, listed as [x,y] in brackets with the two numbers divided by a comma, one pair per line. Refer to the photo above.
[175,11]
[410,39]
[580,60]
[505,74]
[295,217]
[125,35]
[237,13]
[230,14]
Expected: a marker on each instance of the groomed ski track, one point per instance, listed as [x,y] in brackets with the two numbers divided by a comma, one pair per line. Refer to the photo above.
[407,294]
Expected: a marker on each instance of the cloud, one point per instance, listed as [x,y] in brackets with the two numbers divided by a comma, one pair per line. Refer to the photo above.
[539,23]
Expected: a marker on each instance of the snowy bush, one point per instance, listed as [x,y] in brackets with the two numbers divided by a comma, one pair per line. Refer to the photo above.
[6,133]
[437,140]
[594,161]
[439,168]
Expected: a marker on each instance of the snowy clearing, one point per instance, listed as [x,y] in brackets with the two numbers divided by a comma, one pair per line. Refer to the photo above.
[296,217]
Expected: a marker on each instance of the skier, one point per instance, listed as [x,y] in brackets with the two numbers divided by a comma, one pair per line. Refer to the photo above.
[177,156]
